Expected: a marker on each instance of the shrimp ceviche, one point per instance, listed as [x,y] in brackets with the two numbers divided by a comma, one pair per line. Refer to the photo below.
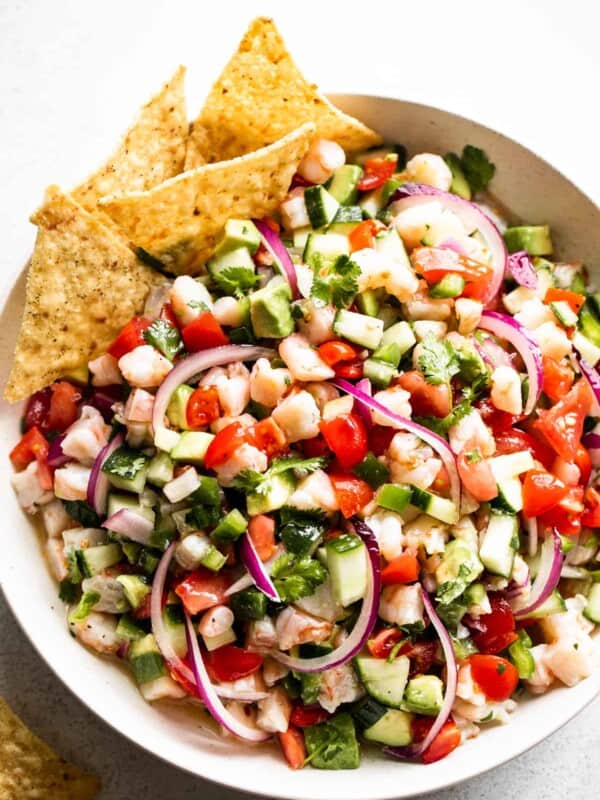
[336,479]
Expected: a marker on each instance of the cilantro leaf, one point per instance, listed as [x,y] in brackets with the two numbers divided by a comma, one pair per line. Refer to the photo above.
[249,480]
[437,361]
[125,463]
[477,167]
[441,426]
[334,282]
[297,577]
[164,337]
[67,591]
[236,280]
[301,530]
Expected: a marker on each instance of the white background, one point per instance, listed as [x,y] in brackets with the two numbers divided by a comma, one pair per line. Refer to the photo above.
[72,75]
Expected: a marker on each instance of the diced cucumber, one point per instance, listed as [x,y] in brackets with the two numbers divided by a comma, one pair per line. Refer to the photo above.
[145,659]
[380,373]
[592,609]
[372,470]
[214,642]
[438,507]
[347,564]
[389,245]
[589,351]
[384,680]
[328,245]
[459,185]
[300,237]
[160,469]
[236,259]
[273,495]
[535,239]
[451,285]
[127,469]
[131,551]
[372,203]
[510,465]
[192,447]
[238,233]
[166,439]
[394,496]
[393,728]
[368,302]
[230,528]
[510,496]
[175,627]
[555,604]
[343,182]
[400,334]
[135,588]
[358,328]
[129,630]
[424,694]
[520,654]
[94,560]
[346,219]
[321,206]
[564,314]
[499,544]
[118,501]
[388,353]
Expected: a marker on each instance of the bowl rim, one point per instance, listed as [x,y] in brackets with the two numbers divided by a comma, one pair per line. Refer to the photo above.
[589,689]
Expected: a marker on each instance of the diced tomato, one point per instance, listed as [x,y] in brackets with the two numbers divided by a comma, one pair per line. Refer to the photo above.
[380,437]
[447,740]
[144,610]
[203,333]
[293,747]
[36,411]
[497,420]
[574,299]
[346,435]
[168,315]
[562,425]
[515,440]
[495,631]
[267,436]
[63,409]
[33,447]
[496,677]
[425,398]
[131,336]
[202,589]
[229,663]
[350,370]
[202,407]
[336,351]
[377,171]
[403,569]
[422,655]
[441,484]
[302,716]
[558,378]
[591,515]
[476,475]
[566,515]
[433,263]
[352,493]
[261,530]
[584,463]
[315,447]
[381,644]
[224,445]
[541,491]
[363,236]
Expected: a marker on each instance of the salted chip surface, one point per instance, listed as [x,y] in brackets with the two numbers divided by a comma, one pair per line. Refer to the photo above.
[260,96]
[84,284]
[31,770]
[179,221]
[151,151]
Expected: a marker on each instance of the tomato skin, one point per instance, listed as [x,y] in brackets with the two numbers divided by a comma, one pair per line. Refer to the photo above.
[591,515]
[350,370]
[202,589]
[447,740]
[131,336]
[498,421]
[566,515]
[202,407]
[363,235]
[495,631]
[267,436]
[315,447]
[514,440]
[261,530]
[434,263]
[377,171]
[584,463]
[380,437]
[224,445]
[476,475]
[203,333]
[425,398]
[541,492]
[336,351]
[63,409]
[403,569]
[302,716]
[380,645]
[33,446]
[346,435]
[352,493]
[558,378]
[229,663]
[441,484]
[574,299]
[168,315]
[562,425]
[293,747]
[496,677]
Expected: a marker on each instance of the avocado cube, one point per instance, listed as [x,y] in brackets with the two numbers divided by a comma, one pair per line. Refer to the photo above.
[192,447]
[424,694]
[270,310]
[176,410]
[238,233]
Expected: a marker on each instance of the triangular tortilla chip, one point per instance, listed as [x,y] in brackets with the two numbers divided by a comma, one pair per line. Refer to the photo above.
[31,770]
[84,284]
[151,151]
[260,96]
[179,221]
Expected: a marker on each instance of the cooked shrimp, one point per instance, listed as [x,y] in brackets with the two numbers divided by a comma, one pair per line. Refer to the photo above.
[86,436]
[412,461]
[144,366]
[302,359]
[322,158]
[296,627]
[430,169]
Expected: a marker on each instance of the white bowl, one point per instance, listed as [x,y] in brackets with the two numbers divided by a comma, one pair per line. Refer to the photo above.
[532,190]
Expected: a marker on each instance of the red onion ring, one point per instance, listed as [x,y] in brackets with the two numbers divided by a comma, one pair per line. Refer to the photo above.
[130,525]
[364,624]
[473,218]
[98,484]
[441,447]
[56,457]
[508,328]
[546,580]
[279,252]
[521,268]
[591,375]
[591,441]
[364,385]
[452,244]
[256,568]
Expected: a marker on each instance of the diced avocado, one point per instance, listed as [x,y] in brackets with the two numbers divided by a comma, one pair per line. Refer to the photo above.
[372,471]
[368,302]
[460,566]
[249,604]
[424,694]
[394,497]
[238,233]
[176,410]
[328,245]
[270,310]
[239,259]
[384,680]
[535,239]
[358,328]
[135,588]
[338,729]
[342,184]
[451,285]
[93,560]
[230,528]
[160,469]
[438,507]
[321,206]
[459,185]
[145,659]
[499,544]
[274,494]
[192,447]
[127,469]
[347,564]
[400,334]
[128,629]
[380,373]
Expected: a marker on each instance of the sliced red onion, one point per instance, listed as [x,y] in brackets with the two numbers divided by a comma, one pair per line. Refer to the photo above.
[364,624]
[517,588]
[193,365]
[521,268]
[410,195]
[104,399]
[546,580]
[508,328]
[441,446]
[364,385]
[591,441]
[208,692]
[532,534]
[279,252]
[493,354]
[98,484]
[452,244]
[243,583]
[56,457]
[416,750]
[256,568]
[591,375]
[132,526]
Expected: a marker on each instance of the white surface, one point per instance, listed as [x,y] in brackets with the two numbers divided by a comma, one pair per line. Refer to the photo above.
[72,75]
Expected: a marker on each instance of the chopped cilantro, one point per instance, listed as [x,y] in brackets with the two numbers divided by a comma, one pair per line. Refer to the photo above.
[297,577]
[236,280]
[125,463]
[334,282]
[249,480]
[301,530]
[67,591]
[162,335]
[437,361]
[477,167]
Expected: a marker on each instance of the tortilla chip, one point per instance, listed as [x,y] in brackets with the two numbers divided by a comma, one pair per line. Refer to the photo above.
[151,151]
[179,221]
[260,96]
[83,285]
[31,770]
